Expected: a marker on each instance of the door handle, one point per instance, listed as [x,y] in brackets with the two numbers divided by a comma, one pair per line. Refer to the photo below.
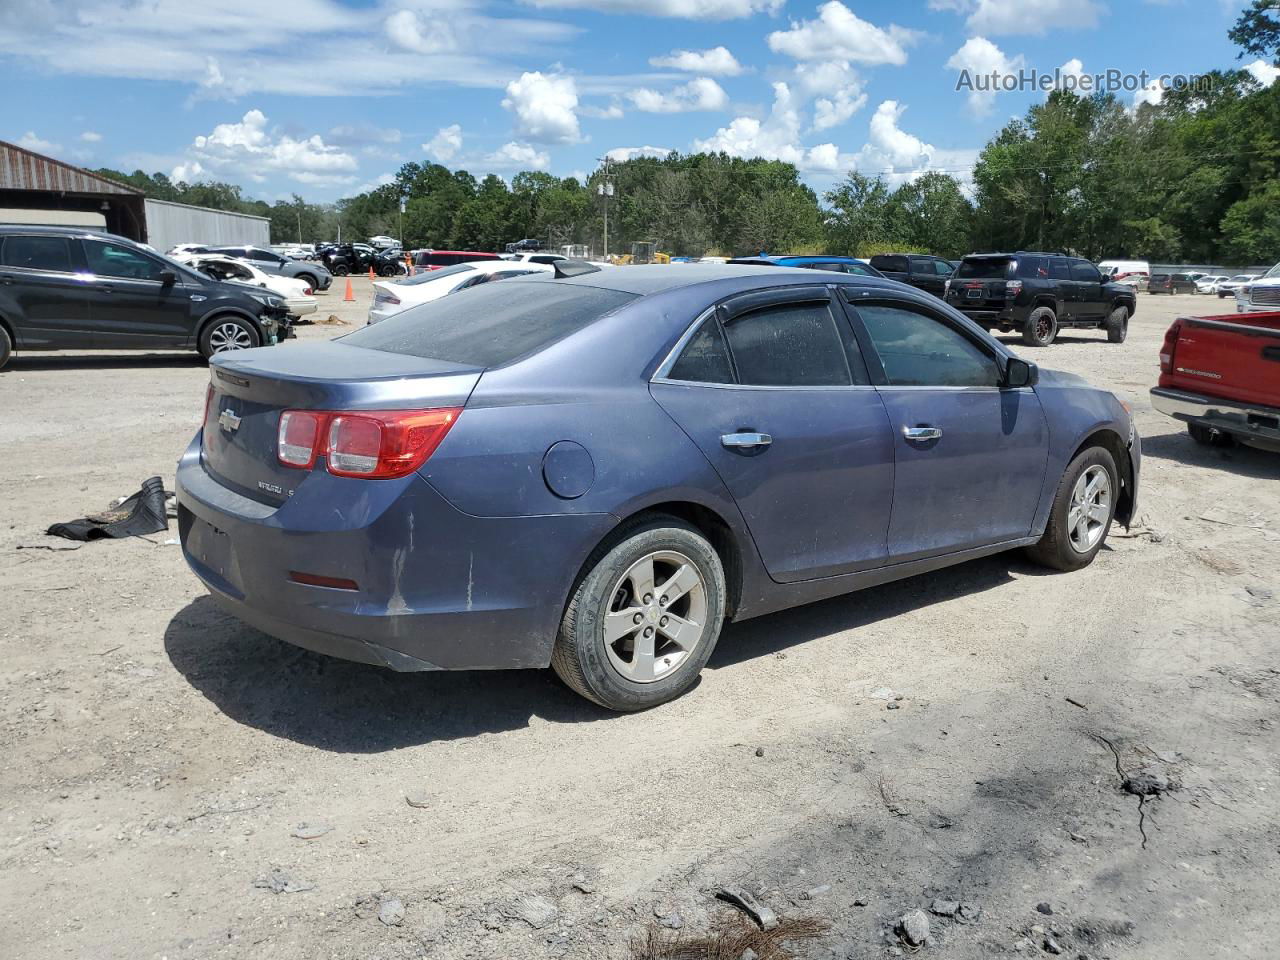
[922,433]
[745,440]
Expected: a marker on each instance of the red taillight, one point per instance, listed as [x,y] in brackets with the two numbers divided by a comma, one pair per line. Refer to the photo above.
[316,580]
[298,440]
[378,444]
[306,291]
[1012,288]
[1169,346]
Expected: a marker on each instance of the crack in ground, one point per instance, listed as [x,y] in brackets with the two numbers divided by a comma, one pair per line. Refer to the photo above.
[1142,801]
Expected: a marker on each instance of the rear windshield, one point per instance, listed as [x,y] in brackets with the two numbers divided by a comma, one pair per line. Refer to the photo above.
[418,278]
[982,268]
[889,261]
[491,324]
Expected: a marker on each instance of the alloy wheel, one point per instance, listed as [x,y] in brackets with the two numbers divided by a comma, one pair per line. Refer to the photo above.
[657,616]
[1089,509]
[229,336]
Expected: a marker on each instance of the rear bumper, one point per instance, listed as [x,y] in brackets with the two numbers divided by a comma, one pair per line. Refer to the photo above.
[1228,416]
[437,588]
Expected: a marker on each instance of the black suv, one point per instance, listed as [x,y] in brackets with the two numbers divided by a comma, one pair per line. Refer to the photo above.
[919,270]
[1038,294]
[76,289]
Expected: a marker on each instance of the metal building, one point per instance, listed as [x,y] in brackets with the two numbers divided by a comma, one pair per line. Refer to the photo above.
[39,189]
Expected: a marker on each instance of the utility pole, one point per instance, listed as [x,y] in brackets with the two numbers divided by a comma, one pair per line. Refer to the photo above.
[298,210]
[605,189]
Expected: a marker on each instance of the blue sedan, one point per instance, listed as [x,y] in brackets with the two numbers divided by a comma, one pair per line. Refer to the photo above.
[598,469]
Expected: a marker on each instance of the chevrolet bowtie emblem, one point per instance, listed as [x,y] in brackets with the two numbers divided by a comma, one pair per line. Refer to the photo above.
[228,421]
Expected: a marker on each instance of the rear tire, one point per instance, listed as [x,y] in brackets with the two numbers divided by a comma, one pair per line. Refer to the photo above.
[340,270]
[225,334]
[605,653]
[1081,514]
[1118,325]
[1209,437]
[6,347]
[310,281]
[1041,328]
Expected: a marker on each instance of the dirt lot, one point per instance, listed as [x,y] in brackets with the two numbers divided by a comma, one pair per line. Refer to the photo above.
[157,759]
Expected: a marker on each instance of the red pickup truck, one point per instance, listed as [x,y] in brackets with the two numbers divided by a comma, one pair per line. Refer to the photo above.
[1221,376]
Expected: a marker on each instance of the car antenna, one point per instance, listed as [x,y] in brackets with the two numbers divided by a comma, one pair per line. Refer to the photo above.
[573,268]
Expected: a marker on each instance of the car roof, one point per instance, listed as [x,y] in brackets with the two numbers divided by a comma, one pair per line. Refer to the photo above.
[645,280]
[797,258]
[469,253]
[63,231]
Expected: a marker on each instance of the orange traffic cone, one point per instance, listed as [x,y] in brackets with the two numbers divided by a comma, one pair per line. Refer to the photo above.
[371,273]
[350,296]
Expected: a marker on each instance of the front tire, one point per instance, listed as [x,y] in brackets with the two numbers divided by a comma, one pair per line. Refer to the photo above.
[225,334]
[644,618]
[1118,325]
[1041,328]
[310,281]
[6,347]
[1083,508]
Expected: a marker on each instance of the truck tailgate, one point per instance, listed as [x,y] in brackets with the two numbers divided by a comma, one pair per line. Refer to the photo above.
[1235,357]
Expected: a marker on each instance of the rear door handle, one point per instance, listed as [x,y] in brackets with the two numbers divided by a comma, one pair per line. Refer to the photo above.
[745,440]
[922,433]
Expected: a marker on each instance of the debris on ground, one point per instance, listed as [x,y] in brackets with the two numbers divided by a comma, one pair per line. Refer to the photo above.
[333,320]
[944,908]
[1148,782]
[913,928]
[813,893]
[419,800]
[391,912]
[1044,908]
[278,881]
[734,938]
[310,831]
[537,911]
[761,913]
[668,915]
[140,514]
[969,913]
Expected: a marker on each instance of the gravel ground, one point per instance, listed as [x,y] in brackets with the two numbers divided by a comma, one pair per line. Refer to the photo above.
[174,784]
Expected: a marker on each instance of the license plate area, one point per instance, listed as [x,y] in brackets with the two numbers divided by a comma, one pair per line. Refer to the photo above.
[974,293]
[211,549]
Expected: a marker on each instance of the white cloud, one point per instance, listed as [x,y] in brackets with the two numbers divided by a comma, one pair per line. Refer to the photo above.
[1152,93]
[611,112]
[839,34]
[523,156]
[1263,72]
[838,90]
[777,137]
[445,145]
[405,30]
[249,148]
[1073,68]
[29,141]
[890,149]
[622,154]
[1003,17]
[700,93]
[545,107]
[685,9]
[90,136]
[716,62]
[980,57]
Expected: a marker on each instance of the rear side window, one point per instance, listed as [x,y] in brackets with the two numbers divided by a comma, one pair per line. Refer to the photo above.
[888,261]
[1085,271]
[920,351]
[37,253]
[792,345]
[1060,268]
[981,268]
[705,358]
[493,324]
[1033,268]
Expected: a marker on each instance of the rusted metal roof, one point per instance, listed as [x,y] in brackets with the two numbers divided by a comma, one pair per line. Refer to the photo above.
[23,170]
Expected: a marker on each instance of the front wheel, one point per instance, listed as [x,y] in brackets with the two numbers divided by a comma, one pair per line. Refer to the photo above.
[644,618]
[224,334]
[1082,511]
[1118,325]
[6,347]
[1041,327]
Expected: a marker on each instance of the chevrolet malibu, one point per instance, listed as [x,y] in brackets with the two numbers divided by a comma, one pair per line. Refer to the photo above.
[597,470]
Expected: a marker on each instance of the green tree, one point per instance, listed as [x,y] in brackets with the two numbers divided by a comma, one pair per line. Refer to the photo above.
[1257,31]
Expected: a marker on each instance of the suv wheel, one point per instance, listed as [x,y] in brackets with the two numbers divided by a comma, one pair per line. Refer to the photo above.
[1081,513]
[224,334]
[1118,325]
[310,281]
[340,270]
[6,347]
[1041,327]
[644,618]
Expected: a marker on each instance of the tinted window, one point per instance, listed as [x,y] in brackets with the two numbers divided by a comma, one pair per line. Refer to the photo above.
[919,351]
[705,358]
[1033,268]
[38,253]
[1083,270]
[266,256]
[794,345]
[493,324]
[836,267]
[430,275]
[545,258]
[1060,268]
[859,269]
[981,268]
[942,268]
[887,261]
[114,260]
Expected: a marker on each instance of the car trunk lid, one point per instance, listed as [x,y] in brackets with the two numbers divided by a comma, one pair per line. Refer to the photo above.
[1234,357]
[250,389]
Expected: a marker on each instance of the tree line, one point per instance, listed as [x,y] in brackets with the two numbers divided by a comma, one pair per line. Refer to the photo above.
[1194,178]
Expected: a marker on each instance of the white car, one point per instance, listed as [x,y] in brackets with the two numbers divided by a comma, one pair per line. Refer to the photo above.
[534,257]
[297,295]
[1227,287]
[392,296]
[1209,284]
[1262,295]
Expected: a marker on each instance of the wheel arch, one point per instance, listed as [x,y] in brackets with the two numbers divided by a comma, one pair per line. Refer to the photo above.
[227,311]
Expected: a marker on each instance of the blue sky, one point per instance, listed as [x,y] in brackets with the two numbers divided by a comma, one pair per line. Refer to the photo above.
[327,97]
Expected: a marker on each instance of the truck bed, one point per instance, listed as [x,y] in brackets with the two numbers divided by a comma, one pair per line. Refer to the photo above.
[1233,357]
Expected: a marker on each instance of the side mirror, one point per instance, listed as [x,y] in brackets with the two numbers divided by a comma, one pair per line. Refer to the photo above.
[1019,373]
[168,277]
